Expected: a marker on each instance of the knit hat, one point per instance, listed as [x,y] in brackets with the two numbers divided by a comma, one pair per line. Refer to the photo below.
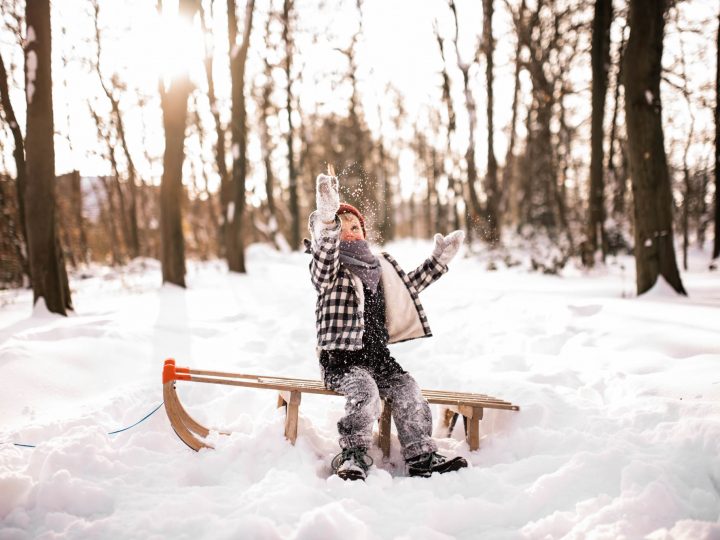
[350,209]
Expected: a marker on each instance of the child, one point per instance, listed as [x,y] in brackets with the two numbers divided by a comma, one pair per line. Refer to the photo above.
[365,302]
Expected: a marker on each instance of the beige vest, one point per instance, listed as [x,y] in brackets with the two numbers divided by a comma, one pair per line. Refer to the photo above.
[401,316]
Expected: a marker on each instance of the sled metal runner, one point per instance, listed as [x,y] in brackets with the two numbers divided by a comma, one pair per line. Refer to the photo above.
[290,391]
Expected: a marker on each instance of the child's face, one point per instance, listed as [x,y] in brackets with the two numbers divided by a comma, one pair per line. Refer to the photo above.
[351,229]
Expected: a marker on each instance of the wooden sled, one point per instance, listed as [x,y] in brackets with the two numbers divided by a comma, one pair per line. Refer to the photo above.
[290,391]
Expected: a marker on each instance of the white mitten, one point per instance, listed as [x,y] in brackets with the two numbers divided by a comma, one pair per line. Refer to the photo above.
[326,197]
[446,247]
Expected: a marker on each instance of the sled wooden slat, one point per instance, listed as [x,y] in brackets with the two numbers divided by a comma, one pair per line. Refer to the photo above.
[290,390]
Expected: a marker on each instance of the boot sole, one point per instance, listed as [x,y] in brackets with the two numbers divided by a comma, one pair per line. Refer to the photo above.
[351,475]
[454,464]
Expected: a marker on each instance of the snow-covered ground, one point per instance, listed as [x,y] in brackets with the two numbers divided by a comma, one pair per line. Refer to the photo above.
[618,436]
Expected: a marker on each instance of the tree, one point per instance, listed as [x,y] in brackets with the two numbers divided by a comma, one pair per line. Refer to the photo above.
[267,110]
[716,243]
[617,174]
[451,124]
[112,188]
[235,244]
[509,178]
[18,156]
[540,204]
[471,107]
[654,249]
[220,164]
[600,59]
[111,89]
[491,178]
[174,102]
[47,267]
[358,186]
[288,6]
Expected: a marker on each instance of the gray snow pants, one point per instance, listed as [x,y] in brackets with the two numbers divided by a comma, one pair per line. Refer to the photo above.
[410,410]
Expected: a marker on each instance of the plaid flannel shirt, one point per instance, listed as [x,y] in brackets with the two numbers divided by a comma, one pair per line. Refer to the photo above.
[339,317]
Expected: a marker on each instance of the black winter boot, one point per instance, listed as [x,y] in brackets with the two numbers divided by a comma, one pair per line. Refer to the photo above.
[352,464]
[426,464]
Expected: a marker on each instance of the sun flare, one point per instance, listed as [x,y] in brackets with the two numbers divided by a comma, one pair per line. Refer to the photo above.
[175,47]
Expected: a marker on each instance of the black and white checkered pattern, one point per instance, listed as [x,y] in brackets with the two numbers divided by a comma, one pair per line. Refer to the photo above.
[339,319]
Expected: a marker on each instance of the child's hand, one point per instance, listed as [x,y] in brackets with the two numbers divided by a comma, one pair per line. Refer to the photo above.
[446,247]
[326,197]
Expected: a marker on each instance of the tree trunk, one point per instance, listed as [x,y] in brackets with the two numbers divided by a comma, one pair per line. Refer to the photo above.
[539,207]
[438,215]
[112,188]
[703,218]
[206,213]
[174,105]
[174,101]
[541,175]
[266,111]
[687,197]
[600,59]
[716,242]
[19,157]
[509,179]
[110,214]
[387,224]
[292,173]
[220,138]
[431,199]
[617,177]
[447,100]
[565,139]
[77,214]
[238,56]
[491,180]
[46,261]
[11,243]
[132,237]
[129,217]
[475,210]
[654,249]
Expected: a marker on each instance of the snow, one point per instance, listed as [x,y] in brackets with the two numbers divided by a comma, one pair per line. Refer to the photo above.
[617,437]
[31,64]
[231,211]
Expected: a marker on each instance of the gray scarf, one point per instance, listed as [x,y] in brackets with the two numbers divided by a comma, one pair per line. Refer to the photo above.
[357,257]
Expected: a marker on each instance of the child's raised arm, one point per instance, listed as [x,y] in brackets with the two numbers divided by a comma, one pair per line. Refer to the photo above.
[325,229]
[445,248]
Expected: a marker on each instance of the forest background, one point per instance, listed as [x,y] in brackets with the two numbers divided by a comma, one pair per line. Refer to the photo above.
[572,129]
